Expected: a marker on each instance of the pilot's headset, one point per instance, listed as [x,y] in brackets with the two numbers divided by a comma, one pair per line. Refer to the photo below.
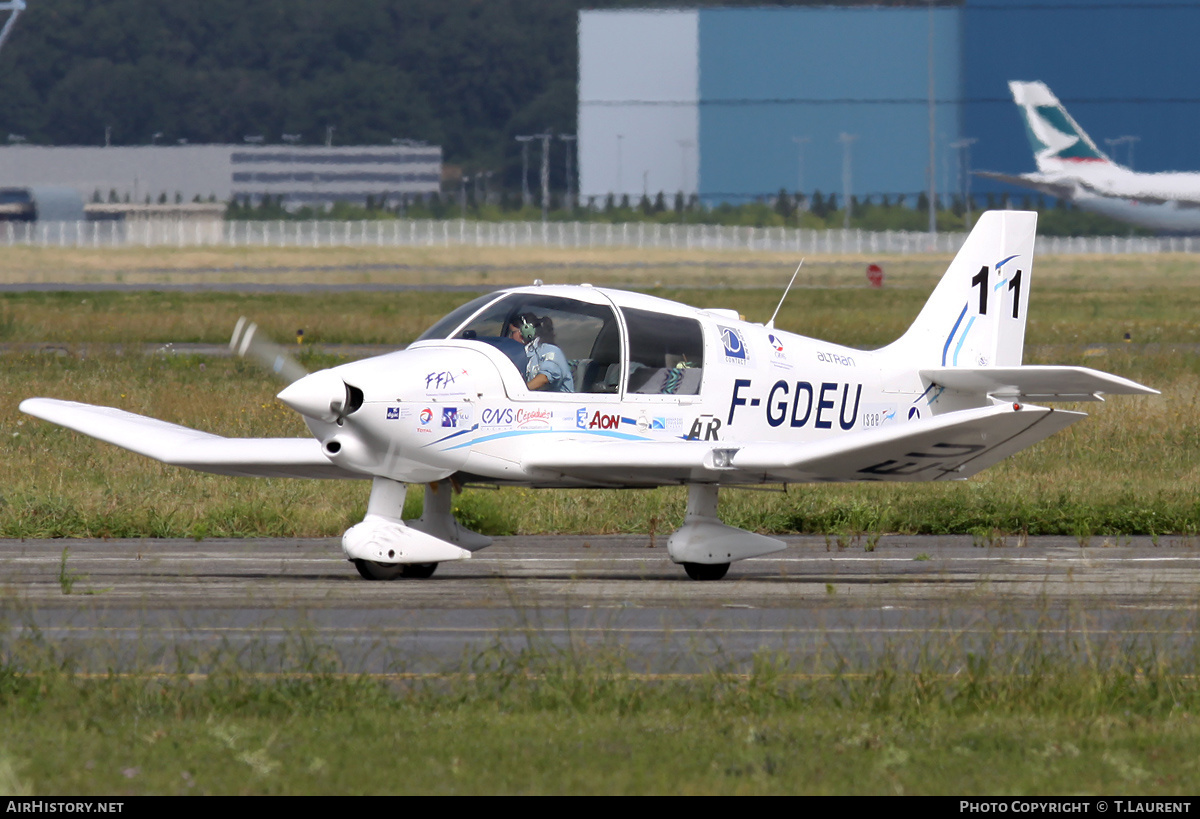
[527,323]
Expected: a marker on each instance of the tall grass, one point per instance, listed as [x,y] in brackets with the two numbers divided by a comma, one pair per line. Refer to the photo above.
[1040,716]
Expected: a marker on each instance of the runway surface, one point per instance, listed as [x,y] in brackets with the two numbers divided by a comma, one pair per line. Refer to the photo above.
[286,605]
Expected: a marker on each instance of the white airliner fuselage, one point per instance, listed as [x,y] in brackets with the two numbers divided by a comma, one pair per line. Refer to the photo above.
[1071,167]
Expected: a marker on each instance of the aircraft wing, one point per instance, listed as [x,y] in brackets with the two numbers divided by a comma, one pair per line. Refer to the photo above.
[180,446]
[1035,383]
[945,447]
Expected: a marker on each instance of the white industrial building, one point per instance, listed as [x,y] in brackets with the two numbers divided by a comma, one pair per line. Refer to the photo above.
[298,175]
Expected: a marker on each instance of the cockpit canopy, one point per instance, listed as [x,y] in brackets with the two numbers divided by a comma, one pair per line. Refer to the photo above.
[659,353]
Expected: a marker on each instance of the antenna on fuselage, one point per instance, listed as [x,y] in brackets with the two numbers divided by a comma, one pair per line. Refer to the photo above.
[770,325]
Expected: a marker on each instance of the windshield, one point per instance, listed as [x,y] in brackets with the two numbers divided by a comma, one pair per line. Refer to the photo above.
[455,317]
[587,334]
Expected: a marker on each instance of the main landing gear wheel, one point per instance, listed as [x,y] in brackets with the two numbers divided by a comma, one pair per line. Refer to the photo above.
[706,571]
[370,570]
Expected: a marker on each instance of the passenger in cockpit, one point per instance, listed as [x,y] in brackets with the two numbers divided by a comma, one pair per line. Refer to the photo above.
[548,368]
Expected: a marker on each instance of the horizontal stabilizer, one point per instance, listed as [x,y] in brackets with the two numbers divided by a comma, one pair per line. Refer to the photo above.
[1035,383]
[1059,189]
[181,446]
[945,447]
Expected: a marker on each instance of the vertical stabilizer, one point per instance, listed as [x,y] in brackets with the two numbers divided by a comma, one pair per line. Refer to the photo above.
[976,315]
[1055,137]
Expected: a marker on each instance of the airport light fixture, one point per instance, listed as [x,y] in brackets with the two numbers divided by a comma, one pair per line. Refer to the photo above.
[684,146]
[620,139]
[525,139]
[963,146]
[545,137]
[847,140]
[1127,139]
[568,139]
[800,143]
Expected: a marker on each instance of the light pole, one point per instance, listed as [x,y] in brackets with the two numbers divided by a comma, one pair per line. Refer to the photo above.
[568,139]
[1131,139]
[619,138]
[800,143]
[545,137]
[964,171]
[1113,142]
[847,140]
[684,145]
[525,140]
[932,135]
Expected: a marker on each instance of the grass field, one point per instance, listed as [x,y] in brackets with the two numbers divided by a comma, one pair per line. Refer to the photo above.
[539,724]
[1033,721]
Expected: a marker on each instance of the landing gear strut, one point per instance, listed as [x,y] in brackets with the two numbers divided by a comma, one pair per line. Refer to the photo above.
[705,546]
[384,547]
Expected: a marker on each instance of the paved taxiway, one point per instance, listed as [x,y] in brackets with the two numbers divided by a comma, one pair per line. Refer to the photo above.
[286,604]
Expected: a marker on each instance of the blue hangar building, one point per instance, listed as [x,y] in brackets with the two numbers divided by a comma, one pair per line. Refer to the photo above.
[736,104]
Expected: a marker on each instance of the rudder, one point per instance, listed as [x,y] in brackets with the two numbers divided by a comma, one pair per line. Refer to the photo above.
[1054,135]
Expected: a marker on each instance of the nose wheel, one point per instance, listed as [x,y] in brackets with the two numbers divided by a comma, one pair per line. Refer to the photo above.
[370,570]
[706,571]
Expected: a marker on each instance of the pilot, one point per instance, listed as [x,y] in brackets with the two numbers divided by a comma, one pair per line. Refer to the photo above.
[547,369]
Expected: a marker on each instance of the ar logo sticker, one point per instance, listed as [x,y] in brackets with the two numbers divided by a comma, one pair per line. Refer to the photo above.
[705,428]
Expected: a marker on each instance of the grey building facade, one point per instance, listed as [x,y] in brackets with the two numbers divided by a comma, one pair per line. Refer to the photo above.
[296,175]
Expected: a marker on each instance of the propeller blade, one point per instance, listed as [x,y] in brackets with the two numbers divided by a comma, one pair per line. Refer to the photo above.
[247,342]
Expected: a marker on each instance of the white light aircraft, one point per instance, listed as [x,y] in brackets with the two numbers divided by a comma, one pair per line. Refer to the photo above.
[1071,167]
[652,393]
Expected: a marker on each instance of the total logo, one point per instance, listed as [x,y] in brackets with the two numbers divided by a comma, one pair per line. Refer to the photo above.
[426,416]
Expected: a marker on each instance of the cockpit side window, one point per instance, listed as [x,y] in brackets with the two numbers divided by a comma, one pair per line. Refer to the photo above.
[666,353]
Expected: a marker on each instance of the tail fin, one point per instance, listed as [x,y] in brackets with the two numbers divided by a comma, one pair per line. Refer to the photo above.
[976,315]
[1055,137]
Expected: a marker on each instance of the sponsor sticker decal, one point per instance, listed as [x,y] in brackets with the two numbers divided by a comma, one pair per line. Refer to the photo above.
[735,345]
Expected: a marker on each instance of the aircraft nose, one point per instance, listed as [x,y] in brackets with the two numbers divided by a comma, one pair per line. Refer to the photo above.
[323,395]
